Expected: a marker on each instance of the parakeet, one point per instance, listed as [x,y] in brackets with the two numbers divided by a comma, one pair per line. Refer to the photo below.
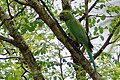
[77,32]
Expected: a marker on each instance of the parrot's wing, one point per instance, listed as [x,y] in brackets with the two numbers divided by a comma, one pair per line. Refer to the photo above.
[77,31]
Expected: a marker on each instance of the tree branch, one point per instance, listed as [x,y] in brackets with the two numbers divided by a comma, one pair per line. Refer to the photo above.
[107,41]
[93,5]
[20,11]
[61,35]
[61,70]
[25,70]
[101,16]
[51,14]
[2,22]
[22,3]
[8,5]
[115,40]
[74,46]
[4,48]
[86,16]
[23,47]
[12,57]
[6,39]
[12,17]
[66,5]
[89,10]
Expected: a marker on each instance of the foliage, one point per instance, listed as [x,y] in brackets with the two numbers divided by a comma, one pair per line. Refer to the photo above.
[50,54]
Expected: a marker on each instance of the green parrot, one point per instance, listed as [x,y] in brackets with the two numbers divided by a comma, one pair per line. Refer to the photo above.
[77,32]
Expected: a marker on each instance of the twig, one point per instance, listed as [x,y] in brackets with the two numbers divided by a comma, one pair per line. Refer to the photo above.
[101,16]
[12,57]
[89,10]
[8,5]
[20,11]
[94,37]
[86,16]
[2,22]
[66,57]
[25,70]
[23,75]
[66,5]
[114,40]
[93,5]
[107,41]
[22,3]
[5,48]
[12,17]
[61,70]
[8,52]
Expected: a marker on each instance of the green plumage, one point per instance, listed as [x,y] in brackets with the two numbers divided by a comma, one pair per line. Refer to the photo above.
[77,32]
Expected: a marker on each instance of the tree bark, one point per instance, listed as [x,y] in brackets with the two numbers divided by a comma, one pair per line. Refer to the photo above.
[60,34]
[19,42]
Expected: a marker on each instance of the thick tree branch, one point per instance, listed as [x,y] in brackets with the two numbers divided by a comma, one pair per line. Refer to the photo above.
[51,14]
[60,34]
[6,39]
[23,47]
[107,41]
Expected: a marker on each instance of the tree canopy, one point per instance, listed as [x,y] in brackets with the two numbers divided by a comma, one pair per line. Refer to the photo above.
[36,45]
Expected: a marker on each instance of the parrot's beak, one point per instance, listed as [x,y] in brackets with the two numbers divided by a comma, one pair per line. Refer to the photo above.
[61,17]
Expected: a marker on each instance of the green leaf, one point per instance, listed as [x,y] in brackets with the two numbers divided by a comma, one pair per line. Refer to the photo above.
[110,30]
[103,17]
[32,28]
[95,32]
[106,27]
[24,28]
[39,22]
[102,38]
[51,37]
[55,78]
[98,20]
[101,30]
[96,29]
[101,1]
[102,6]
[92,22]
[108,11]
[116,11]
[43,49]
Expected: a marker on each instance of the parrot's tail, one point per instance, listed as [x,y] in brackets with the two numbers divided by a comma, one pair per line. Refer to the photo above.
[91,58]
